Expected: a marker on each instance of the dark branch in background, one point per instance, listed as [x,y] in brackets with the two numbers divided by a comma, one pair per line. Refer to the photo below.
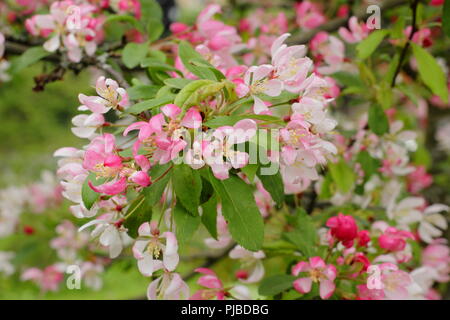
[414,5]
[335,24]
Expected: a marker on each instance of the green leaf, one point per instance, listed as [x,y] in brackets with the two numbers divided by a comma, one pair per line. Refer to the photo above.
[343,175]
[250,171]
[446,17]
[188,55]
[140,211]
[188,187]
[369,165]
[151,9]
[304,235]
[177,83]
[156,64]
[347,79]
[209,216]
[88,195]
[116,25]
[197,91]
[240,211]
[430,72]
[142,91]
[274,185]
[366,47]
[28,58]
[186,224]
[134,53]
[276,284]
[154,192]
[378,121]
[220,121]
[150,104]
[155,29]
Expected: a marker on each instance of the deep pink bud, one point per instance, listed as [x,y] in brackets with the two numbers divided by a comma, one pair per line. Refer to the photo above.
[343,228]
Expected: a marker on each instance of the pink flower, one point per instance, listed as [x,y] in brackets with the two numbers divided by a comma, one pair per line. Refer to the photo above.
[318,272]
[363,238]
[355,33]
[309,16]
[222,147]
[393,284]
[214,286]
[418,180]
[343,228]
[133,6]
[393,239]
[259,80]
[149,249]
[166,137]
[2,45]
[437,256]
[48,279]
[110,95]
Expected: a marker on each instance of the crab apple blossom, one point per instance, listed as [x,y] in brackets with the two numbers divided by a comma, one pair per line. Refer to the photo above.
[316,271]
[150,251]
[253,268]
[110,95]
[48,279]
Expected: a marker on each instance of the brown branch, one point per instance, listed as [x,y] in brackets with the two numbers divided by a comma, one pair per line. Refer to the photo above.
[335,24]
[407,44]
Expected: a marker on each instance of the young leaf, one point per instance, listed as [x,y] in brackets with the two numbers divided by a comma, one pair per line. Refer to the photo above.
[343,176]
[274,185]
[161,175]
[190,94]
[378,121]
[28,58]
[188,187]
[150,104]
[209,216]
[188,55]
[134,53]
[186,224]
[140,211]
[430,71]
[239,209]
[142,91]
[177,83]
[366,47]
[276,284]
[88,195]
[304,235]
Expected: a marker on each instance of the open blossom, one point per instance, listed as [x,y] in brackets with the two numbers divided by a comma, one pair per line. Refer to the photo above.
[91,274]
[356,31]
[309,16]
[221,146]
[69,240]
[151,251]
[315,271]
[169,286]
[165,138]
[393,284]
[433,222]
[47,279]
[437,256]
[110,232]
[252,266]
[87,125]
[67,26]
[343,228]
[329,52]
[110,95]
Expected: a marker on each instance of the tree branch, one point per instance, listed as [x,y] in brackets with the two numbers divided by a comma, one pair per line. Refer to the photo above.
[407,44]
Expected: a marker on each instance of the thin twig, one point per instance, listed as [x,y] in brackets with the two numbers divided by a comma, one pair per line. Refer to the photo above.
[407,44]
